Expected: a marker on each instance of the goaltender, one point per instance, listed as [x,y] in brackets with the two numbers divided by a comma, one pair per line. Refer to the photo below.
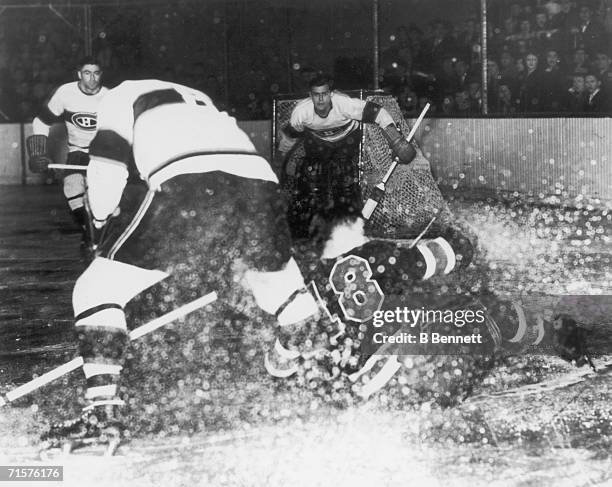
[327,179]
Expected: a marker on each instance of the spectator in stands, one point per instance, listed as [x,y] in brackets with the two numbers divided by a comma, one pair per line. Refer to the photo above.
[408,102]
[440,44]
[468,36]
[505,103]
[598,100]
[521,48]
[462,104]
[301,82]
[545,35]
[553,83]
[396,63]
[602,67]
[447,107]
[530,94]
[424,100]
[510,28]
[511,22]
[461,68]
[580,61]
[588,32]
[575,96]
[564,19]
[493,75]
[447,81]
[474,94]
[520,67]
[508,71]
[415,43]
[524,39]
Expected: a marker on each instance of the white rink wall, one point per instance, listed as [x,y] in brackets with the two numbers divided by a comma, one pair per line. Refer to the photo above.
[567,157]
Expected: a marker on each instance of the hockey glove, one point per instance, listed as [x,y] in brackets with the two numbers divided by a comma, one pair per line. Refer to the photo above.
[401,148]
[37,150]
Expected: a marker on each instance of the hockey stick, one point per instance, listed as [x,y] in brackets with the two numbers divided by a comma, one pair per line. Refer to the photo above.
[134,334]
[378,192]
[69,167]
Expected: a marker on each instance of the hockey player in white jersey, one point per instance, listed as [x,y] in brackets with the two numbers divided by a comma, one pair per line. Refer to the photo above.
[327,179]
[212,220]
[76,104]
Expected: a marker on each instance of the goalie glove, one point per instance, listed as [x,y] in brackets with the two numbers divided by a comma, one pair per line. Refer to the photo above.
[38,160]
[401,148]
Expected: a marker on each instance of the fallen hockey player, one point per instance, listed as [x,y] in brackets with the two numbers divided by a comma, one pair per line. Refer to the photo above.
[355,273]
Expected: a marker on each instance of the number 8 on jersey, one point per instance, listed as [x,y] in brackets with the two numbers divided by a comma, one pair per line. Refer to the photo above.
[360,296]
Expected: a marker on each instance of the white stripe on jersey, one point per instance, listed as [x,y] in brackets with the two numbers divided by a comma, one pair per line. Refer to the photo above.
[342,119]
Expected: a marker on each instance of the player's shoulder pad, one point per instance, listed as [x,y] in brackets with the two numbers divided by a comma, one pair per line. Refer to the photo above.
[345,103]
[64,90]
[302,111]
[340,97]
[305,102]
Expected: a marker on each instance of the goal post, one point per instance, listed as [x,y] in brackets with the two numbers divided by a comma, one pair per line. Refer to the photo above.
[412,197]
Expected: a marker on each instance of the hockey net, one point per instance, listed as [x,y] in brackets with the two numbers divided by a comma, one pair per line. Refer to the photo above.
[412,198]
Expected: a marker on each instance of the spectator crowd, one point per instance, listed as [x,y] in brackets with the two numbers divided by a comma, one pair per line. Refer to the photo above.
[542,57]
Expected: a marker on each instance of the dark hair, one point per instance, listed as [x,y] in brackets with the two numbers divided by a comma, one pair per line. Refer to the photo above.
[320,80]
[594,74]
[87,60]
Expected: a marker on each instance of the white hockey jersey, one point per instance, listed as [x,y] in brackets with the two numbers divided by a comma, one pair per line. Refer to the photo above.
[166,129]
[78,110]
[343,118]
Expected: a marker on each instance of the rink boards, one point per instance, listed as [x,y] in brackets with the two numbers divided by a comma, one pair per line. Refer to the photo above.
[565,157]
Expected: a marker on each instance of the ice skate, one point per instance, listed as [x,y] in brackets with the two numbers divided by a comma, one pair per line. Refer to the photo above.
[99,431]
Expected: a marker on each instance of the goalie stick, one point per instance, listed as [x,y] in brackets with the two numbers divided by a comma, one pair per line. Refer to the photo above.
[378,192]
[134,334]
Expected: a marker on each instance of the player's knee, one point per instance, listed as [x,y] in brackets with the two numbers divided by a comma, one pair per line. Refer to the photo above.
[108,281]
[74,185]
[74,190]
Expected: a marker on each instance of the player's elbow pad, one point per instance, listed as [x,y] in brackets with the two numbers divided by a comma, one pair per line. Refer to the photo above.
[445,254]
[401,148]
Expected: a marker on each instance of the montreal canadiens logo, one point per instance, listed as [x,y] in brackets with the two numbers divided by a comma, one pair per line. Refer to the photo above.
[85,121]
